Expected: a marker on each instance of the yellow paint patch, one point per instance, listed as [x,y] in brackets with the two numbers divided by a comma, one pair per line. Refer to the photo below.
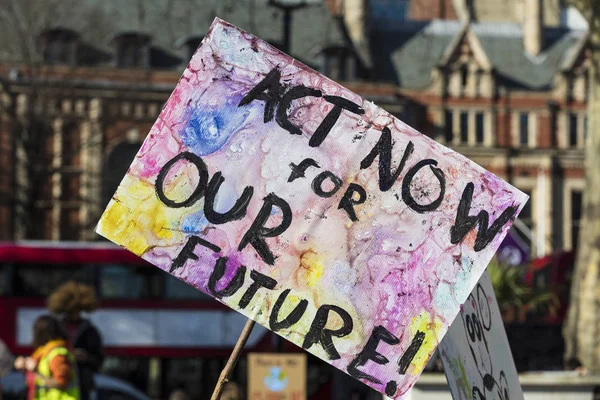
[431,327]
[312,267]
[293,299]
[117,227]
[134,215]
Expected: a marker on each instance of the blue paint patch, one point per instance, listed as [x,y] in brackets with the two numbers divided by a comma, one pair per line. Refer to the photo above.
[194,223]
[463,278]
[208,129]
[442,297]
[225,198]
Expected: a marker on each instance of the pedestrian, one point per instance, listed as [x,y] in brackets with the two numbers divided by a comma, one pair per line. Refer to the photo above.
[51,372]
[179,394]
[231,391]
[69,301]
[6,362]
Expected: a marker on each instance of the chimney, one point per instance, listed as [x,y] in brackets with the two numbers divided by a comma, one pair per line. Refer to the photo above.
[533,27]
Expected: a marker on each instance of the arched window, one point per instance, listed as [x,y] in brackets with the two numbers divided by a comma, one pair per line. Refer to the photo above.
[132,50]
[58,46]
[115,167]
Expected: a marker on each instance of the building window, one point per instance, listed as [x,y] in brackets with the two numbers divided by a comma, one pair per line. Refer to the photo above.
[573,131]
[116,166]
[526,217]
[386,11]
[448,126]
[190,44]
[478,79]
[408,116]
[59,46]
[524,129]
[340,63]
[464,127]
[479,128]
[585,129]
[132,50]
[586,84]
[576,207]
[464,76]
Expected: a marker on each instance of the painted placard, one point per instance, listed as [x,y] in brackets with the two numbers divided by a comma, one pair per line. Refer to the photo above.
[475,352]
[310,210]
[276,376]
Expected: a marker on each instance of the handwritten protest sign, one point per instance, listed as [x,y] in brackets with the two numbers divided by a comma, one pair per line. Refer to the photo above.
[310,210]
[475,352]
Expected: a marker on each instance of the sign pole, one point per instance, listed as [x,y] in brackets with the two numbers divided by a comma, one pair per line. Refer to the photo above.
[233,359]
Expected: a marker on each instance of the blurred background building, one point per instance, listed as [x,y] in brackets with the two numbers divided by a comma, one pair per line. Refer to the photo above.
[88,81]
[81,83]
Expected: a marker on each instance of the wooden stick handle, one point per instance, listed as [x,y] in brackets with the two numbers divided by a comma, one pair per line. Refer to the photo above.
[233,359]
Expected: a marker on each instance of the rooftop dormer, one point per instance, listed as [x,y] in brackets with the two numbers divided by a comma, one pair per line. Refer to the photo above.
[58,46]
[132,49]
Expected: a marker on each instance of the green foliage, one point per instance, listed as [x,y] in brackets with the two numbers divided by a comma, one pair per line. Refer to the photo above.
[511,291]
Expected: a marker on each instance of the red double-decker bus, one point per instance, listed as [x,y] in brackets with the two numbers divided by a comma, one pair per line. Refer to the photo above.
[159,333]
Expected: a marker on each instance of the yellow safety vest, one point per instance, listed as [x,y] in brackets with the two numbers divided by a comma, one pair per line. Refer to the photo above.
[44,393]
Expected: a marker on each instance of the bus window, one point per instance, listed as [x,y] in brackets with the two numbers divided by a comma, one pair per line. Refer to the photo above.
[41,280]
[179,290]
[128,282]
[130,369]
[6,278]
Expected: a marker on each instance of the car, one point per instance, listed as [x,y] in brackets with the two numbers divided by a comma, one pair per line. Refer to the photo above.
[107,388]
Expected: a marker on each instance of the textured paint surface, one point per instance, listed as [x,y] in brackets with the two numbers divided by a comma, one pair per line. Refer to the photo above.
[475,352]
[393,267]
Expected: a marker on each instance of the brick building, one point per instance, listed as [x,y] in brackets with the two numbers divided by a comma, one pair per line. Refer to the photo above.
[508,92]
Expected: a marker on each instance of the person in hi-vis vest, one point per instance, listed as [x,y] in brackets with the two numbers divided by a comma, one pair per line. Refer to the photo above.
[68,302]
[51,369]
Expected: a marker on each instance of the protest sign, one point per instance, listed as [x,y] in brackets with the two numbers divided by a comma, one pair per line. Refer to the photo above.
[276,376]
[475,352]
[310,210]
